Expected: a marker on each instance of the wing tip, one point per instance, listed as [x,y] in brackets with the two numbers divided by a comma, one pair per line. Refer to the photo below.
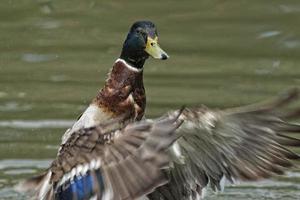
[30,184]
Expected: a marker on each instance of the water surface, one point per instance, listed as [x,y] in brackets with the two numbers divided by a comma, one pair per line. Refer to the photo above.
[54,56]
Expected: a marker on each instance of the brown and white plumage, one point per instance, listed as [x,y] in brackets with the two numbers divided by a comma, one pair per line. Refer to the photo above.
[130,160]
[246,144]
[122,95]
[112,156]
[243,144]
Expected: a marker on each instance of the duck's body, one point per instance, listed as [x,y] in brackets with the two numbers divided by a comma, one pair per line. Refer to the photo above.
[112,153]
[123,95]
[123,92]
[121,100]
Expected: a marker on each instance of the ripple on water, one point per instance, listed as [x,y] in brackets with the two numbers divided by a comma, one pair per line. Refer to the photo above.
[10,193]
[19,171]
[14,168]
[58,78]
[267,184]
[291,43]
[37,123]
[3,94]
[52,147]
[293,174]
[289,8]
[24,163]
[48,24]
[14,107]
[268,34]
[267,189]
[37,58]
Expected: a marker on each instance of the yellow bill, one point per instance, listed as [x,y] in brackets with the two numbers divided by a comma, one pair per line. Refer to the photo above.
[154,50]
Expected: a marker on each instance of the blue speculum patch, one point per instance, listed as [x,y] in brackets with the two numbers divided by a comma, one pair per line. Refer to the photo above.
[81,187]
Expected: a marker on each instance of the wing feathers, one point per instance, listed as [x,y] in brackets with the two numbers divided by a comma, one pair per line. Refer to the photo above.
[247,143]
[131,159]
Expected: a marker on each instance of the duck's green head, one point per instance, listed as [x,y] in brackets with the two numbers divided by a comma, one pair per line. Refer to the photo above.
[142,41]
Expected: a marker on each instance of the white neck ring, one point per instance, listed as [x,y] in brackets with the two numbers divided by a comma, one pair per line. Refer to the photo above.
[128,66]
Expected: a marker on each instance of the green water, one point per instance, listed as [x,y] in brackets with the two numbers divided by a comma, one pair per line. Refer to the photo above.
[54,56]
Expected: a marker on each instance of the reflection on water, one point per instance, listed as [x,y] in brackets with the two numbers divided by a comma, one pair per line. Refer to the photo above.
[55,56]
[14,106]
[23,163]
[292,43]
[268,34]
[37,124]
[48,24]
[29,57]
[13,170]
[264,70]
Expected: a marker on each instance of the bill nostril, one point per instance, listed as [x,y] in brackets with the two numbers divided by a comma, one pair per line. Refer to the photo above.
[164,57]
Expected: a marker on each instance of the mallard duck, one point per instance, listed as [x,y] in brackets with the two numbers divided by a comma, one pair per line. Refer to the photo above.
[123,92]
[111,152]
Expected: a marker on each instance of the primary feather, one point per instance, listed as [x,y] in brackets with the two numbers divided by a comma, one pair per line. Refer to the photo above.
[246,144]
[123,163]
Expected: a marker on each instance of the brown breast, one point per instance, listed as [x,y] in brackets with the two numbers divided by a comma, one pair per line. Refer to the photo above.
[123,92]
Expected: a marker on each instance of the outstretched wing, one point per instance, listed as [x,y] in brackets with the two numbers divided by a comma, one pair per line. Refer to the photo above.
[115,164]
[247,143]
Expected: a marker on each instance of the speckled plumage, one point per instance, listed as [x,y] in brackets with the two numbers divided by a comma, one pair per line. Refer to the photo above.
[112,153]
[122,95]
[123,92]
